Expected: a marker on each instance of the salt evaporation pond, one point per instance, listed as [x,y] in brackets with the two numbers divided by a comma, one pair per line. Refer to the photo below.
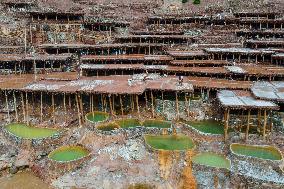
[169,142]
[212,160]
[207,126]
[263,152]
[128,123]
[108,126]
[97,116]
[22,180]
[29,132]
[157,123]
[68,153]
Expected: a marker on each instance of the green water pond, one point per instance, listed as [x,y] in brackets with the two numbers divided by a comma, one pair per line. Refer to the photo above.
[29,132]
[169,142]
[263,152]
[97,116]
[128,123]
[157,123]
[68,153]
[207,126]
[212,160]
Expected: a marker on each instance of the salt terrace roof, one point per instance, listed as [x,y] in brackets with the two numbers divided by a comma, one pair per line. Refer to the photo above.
[98,46]
[214,83]
[37,57]
[199,62]
[129,57]
[242,100]
[156,37]
[145,32]
[266,42]
[108,85]
[278,56]
[238,50]
[273,90]
[186,53]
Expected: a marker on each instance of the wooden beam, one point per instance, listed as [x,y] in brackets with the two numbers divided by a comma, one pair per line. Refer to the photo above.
[27,108]
[163,101]
[248,124]
[64,106]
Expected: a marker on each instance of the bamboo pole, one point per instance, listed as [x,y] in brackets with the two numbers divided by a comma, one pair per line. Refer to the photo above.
[121,104]
[137,103]
[27,108]
[23,106]
[227,116]
[15,107]
[247,130]
[152,104]
[177,106]
[41,108]
[7,106]
[78,110]
[264,124]
[53,108]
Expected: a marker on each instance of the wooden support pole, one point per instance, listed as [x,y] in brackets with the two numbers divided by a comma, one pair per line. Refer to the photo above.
[110,104]
[69,101]
[7,106]
[248,124]
[258,119]
[23,106]
[132,103]
[27,108]
[121,104]
[15,107]
[41,107]
[64,107]
[81,107]
[152,104]
[113,103]
[137,103]
[78,109]
[163,101]
[264,124]
[270,121]
[102,102]
[177,106]
[90,103]
[146,101]
[92,109]
[53,108]
[226,116]
[187,105]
